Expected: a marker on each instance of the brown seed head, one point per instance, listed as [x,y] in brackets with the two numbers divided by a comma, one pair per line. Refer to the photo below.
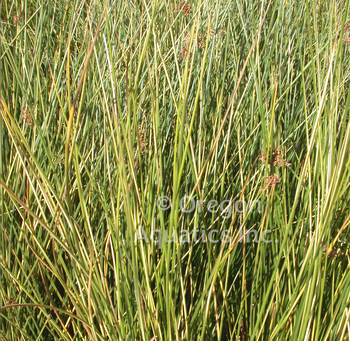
[185,8]
[27,116]
[201,41]
[276,158]
[142,140]
[17,17]
[183,52]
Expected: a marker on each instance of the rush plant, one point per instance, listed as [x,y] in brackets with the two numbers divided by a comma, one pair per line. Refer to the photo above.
[107,106]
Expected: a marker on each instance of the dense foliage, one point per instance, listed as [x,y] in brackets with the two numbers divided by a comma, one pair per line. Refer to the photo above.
[113,111]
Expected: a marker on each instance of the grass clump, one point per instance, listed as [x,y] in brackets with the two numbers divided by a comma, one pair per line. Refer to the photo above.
[211,124]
